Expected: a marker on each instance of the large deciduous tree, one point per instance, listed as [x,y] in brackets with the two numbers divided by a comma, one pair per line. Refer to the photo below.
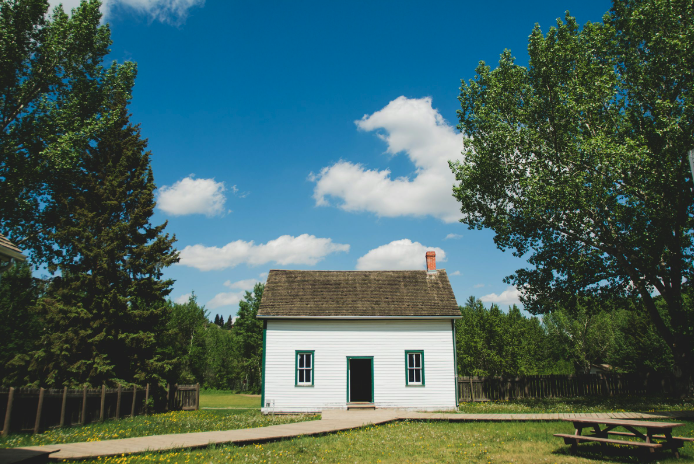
[579,160]
[54,94]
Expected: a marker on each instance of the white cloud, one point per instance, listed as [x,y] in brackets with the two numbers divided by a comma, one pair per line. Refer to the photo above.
[399,254]
[192,196]
[183,299]
[167,11]
[509,297]
[246,284]
[453,237]
[284,250]
[225,299]
[455,273]
[411,126]
[479,286]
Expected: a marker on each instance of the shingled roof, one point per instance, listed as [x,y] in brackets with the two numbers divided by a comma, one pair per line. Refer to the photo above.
[335,294]
[9,250]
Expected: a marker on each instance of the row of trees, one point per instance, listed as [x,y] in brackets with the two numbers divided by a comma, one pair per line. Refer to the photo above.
[190,347]
[215,356]
[569,340]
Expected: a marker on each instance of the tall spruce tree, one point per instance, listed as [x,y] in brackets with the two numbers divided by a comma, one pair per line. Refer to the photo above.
[106,311]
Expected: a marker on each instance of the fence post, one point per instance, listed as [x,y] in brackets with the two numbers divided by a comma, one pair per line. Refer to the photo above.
[472,392]
[8,413]
[146,399]
[84,405]
[197,396]
[120,391]
[62,408]
[37,424]
[132,410]
[103,402]
[168,397]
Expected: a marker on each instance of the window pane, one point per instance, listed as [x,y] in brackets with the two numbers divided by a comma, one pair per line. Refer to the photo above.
[417,360]
[308,360]
[301,360]
[417,375]
[410,360]
[301,376]
[410,375]
[308,376]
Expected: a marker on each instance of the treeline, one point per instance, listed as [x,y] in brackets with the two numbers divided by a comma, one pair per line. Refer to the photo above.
[217,354]
[568,340]
[181,346]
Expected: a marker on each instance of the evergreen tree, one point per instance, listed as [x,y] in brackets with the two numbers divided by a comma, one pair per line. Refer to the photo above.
[106,312]
[21,326]
[230,324]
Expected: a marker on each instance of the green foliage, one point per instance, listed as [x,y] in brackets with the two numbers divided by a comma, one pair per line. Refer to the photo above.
[490,342]
[106,311]
[55,97]
[185,340]
[248,330]
[215,356]
[580,161]
[21,326]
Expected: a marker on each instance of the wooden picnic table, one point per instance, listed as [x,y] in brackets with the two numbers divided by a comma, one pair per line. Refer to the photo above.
[658,435]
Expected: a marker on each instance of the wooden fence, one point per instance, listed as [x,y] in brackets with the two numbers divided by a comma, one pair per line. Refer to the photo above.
[34,409]
[558,386]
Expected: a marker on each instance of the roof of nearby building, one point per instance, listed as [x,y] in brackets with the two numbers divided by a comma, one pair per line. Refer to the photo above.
[9,249]
[368,294]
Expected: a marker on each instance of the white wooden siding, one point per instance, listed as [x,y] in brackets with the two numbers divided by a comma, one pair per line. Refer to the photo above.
[332,341]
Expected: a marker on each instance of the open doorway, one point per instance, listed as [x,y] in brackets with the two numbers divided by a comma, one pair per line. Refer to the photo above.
[360,386]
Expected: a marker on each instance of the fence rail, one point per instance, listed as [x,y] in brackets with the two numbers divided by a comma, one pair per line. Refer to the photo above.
[37,409]
[475,388]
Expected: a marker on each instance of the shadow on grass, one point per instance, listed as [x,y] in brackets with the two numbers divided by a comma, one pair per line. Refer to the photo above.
[627,454]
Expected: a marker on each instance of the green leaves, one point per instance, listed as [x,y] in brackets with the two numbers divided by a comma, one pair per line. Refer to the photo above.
[579,160]
[54,99]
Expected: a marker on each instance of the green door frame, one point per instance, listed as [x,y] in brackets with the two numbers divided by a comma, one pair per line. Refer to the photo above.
[373,400]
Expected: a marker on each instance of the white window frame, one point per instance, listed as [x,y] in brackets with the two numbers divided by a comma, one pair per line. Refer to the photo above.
[298,368]
[420,368]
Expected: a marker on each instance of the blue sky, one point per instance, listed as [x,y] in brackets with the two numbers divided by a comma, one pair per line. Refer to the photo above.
[315,135]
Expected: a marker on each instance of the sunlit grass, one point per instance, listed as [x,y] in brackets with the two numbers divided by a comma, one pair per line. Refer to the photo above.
[158,424]
[227,399]
[419,442]
[583,404]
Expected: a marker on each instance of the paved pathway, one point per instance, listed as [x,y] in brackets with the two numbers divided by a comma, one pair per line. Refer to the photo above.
[331,421]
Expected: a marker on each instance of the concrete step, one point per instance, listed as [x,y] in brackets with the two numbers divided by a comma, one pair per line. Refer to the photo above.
[361,406]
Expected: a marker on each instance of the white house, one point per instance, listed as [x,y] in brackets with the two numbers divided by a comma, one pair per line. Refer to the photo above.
[342,339]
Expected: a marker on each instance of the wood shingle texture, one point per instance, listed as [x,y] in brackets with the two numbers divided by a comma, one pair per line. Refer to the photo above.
[9,250]
[335,294]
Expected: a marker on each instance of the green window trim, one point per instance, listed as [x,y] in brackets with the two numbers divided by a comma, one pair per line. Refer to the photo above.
[311,369]
[262,375]
[407,368]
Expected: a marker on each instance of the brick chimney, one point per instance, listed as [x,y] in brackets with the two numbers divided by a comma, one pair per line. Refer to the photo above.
[431,261]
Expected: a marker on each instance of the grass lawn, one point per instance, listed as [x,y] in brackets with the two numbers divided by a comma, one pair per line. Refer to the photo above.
[584,404]
[419,442]
[157,424]
[227,399]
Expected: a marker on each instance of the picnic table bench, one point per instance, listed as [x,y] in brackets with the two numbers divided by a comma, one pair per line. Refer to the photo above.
[658,435]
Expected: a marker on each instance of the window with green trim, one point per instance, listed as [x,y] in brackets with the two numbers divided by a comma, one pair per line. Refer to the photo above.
[414,367]
[304,368]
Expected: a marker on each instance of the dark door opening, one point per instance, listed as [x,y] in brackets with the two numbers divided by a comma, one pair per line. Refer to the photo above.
[360,380]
